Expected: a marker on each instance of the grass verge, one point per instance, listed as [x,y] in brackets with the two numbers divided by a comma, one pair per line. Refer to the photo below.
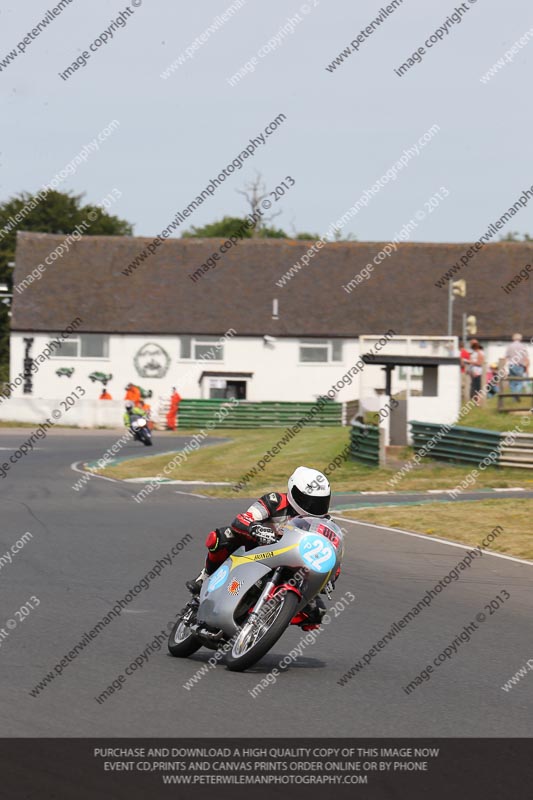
[467,523]
[488,417]
[315,447]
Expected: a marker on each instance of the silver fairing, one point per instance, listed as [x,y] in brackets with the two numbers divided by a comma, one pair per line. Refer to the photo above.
[310,546]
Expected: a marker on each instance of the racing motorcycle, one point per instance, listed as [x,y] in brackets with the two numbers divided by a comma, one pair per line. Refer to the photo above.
[141,431]
[246,605]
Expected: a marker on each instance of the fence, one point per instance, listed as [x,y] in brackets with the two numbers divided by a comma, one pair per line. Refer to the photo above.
[504,391]
[367,444]
[472,445]
[196,413]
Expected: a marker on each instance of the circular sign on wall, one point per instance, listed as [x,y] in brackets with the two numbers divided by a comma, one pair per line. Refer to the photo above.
[151,361]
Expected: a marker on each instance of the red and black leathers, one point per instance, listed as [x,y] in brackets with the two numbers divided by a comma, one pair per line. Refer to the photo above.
[220,543]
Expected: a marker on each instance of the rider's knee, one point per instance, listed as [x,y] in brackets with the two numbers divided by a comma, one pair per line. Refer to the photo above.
[220,537]
[212,541]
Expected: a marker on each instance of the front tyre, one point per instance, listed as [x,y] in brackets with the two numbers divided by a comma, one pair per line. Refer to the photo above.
[181,641]
[255,639]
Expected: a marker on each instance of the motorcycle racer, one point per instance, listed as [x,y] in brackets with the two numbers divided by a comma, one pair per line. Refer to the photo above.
[132,412]
[308,494]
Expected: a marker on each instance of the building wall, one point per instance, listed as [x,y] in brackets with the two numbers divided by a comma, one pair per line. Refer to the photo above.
[83,414]
[277,372]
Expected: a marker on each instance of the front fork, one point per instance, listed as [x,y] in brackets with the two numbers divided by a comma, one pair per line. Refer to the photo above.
[265,594]
[188,614]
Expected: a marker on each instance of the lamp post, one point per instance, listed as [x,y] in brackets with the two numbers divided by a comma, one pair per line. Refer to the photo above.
[450,308]
[455,289]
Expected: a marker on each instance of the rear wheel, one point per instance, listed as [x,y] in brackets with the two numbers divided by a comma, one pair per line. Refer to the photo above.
[256,638]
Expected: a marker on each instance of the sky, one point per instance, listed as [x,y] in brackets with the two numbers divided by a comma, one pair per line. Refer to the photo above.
[343,129]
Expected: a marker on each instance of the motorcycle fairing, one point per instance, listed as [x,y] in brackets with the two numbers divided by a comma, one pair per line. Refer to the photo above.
[222,592]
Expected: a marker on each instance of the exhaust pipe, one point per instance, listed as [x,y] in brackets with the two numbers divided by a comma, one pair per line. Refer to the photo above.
[210,637]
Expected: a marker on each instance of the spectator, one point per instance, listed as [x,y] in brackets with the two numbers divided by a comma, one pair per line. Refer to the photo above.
[141,403]
[492,379]
[147,410]
[518,364]
[464,355]
[475,369]
[173,412]
[133,393]
[105,394]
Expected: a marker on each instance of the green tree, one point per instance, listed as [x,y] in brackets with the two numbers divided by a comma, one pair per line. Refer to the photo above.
[56,212]
[256,196]
[271,233]
[338,237]
[306,236]
[232,226]
[221,229]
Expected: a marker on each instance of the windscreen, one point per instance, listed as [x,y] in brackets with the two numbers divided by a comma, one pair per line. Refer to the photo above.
[325,527]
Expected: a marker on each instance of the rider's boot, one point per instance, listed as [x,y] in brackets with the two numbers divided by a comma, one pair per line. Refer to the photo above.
[195,586]
[315,610]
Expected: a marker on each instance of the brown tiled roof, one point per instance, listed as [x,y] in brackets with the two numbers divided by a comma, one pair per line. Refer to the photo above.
[160,297]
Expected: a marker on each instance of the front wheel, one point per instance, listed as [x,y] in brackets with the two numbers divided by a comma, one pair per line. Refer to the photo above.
[181,641]
[256,638]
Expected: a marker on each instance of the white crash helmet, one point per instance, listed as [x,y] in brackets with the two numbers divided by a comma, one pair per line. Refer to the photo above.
[129,404]
[309,492]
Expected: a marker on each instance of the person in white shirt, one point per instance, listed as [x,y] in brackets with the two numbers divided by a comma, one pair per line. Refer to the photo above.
[475,369]
[518,364]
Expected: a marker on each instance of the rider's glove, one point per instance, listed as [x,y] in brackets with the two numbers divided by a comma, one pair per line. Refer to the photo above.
[262,534]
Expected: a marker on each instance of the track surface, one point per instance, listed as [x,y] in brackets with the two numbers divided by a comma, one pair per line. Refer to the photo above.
[90,547]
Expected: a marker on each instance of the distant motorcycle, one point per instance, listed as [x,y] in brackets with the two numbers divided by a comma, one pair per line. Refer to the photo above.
[247,604]
[141,431]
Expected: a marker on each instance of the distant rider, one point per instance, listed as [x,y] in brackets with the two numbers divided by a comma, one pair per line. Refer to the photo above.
[132,412]
[308,494]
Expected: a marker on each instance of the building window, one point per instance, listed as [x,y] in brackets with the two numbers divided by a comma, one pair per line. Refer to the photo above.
[94,345]
[413,372]
[203,348]
[208,347]
[68,349]
[84,345]
[320,351]
[185,350]
[336,350]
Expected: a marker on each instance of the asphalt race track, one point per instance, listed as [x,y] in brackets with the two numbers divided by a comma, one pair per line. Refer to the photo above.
[90,547]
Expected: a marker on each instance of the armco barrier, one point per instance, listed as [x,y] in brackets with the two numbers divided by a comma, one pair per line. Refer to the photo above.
[247,414]
[458,444]
[472,445]
[349,410]
[367,444]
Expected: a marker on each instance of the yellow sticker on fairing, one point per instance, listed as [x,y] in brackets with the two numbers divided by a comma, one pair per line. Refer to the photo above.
[236,560]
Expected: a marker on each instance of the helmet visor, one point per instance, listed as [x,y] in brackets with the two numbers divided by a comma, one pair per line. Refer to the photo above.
[316,506]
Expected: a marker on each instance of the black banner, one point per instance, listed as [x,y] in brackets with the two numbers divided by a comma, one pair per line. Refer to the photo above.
[86,769]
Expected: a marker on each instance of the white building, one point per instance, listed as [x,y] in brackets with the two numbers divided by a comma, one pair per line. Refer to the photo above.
[233,330]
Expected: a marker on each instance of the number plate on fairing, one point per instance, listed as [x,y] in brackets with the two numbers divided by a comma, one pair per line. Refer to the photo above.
[317,552]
